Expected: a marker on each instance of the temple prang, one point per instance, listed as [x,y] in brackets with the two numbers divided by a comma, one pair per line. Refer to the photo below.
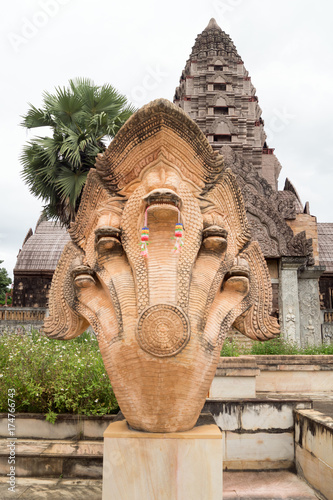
[215,89]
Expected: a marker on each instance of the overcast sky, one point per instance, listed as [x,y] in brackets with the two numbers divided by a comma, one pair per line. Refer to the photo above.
[141,47]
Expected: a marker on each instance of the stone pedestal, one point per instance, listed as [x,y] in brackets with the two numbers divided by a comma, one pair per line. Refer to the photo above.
[169,466]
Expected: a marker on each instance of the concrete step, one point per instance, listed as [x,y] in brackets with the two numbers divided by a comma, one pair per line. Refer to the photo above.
[36,488]
[54,458]
[267,485]
[277,485]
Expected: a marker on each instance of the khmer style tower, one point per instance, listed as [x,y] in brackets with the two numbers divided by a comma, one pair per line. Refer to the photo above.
[215,89]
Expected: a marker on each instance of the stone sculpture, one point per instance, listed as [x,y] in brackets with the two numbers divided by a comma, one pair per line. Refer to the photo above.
[161,318]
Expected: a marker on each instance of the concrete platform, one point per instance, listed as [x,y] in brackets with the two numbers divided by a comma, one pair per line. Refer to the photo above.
[274,485]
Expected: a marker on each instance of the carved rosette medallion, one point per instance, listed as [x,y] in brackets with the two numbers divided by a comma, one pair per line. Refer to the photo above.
[163,330]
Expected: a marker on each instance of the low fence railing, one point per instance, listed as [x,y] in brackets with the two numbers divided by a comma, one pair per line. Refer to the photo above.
[24,314]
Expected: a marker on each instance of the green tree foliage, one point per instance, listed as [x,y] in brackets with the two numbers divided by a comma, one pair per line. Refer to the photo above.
[4,282]
[82,117]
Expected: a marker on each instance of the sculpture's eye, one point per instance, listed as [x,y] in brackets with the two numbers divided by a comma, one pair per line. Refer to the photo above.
[107,237]
[83,277]
[215,238]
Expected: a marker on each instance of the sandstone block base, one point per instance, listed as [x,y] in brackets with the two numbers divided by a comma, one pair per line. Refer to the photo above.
[169,466]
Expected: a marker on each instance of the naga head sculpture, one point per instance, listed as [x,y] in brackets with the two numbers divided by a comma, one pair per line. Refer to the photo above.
[161,308]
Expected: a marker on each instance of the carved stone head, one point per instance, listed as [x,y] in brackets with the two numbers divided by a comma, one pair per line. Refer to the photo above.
[161,318]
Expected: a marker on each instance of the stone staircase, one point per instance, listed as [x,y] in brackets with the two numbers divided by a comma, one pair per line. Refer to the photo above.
[70,464]
[55,458]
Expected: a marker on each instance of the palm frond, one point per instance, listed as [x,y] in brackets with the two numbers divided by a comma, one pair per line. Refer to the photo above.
[82,117]
[70,184]
[37,118]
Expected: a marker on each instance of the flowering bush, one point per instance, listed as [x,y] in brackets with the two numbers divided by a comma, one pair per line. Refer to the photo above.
[53,376]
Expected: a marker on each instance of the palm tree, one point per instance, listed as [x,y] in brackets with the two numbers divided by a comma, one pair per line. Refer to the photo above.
[83,117]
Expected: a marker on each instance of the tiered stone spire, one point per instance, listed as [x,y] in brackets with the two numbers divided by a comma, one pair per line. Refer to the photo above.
[216,91]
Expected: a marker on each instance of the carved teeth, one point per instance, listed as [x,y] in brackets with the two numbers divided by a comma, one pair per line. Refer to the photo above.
[107,233]
[163,197]
[215,231]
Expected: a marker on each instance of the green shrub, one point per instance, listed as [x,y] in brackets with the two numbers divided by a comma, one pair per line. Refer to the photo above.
[231,348]
[277,347]
[321,349]
[53,376]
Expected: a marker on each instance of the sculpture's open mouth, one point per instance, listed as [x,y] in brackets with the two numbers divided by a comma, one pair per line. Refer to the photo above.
[215,238]
[83,276]
[107,236]
[240,271]
[215,231]
[163,197]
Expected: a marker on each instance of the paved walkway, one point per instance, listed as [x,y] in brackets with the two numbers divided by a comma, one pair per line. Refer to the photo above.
[237,486]
[271,485]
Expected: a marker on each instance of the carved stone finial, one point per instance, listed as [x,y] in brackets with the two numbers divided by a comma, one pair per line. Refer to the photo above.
[212,25]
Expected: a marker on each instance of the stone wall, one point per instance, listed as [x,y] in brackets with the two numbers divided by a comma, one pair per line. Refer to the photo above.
[294,374]
[21,319]
[258,434]
[314,450]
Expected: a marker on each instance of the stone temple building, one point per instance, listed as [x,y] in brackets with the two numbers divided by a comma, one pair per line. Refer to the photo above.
[216,91]
[36,263]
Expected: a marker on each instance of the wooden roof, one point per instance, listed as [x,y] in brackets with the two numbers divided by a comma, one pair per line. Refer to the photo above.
[41,250]
[325,240]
